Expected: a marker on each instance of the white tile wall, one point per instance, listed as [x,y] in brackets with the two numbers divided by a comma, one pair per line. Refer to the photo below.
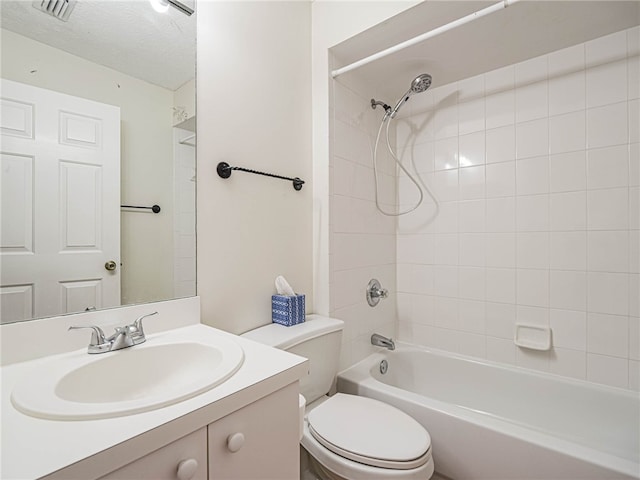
[363,241]
[536,166]
[184,230]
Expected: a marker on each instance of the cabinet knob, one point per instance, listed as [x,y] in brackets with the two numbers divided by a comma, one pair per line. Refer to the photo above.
[235,442]
[187,469]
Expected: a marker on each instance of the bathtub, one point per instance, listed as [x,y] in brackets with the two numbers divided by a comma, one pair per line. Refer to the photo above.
[489,421]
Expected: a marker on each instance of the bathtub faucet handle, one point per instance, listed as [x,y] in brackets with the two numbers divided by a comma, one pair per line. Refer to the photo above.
[381,293]
[375,292]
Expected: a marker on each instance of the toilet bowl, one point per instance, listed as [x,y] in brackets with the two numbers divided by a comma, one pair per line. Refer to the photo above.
[351,437]
[346,436]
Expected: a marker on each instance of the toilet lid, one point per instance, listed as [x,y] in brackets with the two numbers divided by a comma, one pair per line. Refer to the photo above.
[370,432]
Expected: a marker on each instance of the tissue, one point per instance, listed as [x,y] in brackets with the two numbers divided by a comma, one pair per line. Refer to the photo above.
[283,287]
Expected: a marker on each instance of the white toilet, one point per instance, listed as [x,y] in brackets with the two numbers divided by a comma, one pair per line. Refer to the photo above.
[347,436]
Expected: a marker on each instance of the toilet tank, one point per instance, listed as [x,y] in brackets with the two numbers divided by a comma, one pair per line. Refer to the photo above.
[318,339]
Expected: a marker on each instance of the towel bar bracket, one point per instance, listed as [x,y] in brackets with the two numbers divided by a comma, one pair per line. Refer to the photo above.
[224,170]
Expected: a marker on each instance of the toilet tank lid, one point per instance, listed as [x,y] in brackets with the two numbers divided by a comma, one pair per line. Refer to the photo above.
[282,337]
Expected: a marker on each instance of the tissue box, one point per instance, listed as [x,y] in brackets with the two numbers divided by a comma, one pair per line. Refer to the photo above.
[287,310]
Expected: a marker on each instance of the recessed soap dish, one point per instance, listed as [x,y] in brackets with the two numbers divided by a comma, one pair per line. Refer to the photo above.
[534,337]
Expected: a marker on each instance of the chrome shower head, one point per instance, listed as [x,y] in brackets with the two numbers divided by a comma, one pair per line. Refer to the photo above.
[419,84]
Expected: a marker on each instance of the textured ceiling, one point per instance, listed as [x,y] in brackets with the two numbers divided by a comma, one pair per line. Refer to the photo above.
[126,35]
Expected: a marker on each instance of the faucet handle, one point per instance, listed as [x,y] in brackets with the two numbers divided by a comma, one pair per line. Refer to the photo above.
[136,330]
[97,336]
[375,292]
[137,324]
[382,293]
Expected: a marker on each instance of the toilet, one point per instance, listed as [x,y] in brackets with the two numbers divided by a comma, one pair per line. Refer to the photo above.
[347,436]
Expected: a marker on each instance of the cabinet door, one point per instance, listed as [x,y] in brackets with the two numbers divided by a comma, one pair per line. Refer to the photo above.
[259,441]
[184,459]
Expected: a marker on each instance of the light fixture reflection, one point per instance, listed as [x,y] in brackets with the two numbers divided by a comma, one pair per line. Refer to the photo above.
[160,6]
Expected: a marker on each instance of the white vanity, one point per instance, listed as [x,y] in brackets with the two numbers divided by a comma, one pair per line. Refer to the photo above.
[245,427]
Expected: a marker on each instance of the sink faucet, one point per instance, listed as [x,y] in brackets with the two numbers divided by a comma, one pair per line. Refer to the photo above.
[380,341]
[124,337]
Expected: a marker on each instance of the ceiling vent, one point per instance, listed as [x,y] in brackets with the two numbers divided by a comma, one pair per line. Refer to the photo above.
[61,9]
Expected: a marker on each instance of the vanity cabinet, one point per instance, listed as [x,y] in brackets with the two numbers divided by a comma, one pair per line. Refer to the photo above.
[258,441]
[184,459]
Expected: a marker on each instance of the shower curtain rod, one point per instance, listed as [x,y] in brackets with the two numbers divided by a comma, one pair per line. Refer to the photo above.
[432,33]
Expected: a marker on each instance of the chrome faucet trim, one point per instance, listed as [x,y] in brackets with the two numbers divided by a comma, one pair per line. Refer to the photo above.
[380,341]
[124,337]
[375,292]
[119,340]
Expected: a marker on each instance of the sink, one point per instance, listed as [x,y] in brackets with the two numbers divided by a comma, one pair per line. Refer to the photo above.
[138,379]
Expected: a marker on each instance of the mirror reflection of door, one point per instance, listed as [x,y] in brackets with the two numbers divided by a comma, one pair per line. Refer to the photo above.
[60,206]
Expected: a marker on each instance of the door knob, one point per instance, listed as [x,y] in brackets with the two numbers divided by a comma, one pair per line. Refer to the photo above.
[110,265]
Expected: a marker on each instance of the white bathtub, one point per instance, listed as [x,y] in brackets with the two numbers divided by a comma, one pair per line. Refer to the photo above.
[489,421]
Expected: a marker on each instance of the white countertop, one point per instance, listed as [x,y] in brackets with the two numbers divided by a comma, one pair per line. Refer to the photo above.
[35,448]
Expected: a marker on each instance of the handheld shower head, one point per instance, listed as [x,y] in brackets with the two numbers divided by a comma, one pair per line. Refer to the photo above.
[419,84]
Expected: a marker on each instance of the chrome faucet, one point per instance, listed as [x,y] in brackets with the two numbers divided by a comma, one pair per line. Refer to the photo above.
[136,331]
[380,341]
[375,292]
[124,337]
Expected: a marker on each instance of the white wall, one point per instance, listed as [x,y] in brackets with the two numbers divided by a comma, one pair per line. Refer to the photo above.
[254,100]
[536,166]
[184,101]
[146,146]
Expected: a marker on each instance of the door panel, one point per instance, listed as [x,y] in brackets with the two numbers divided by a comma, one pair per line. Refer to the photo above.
[79,130]
[16,118]
[80,295]
[17,302]
[17,194]
[80,201]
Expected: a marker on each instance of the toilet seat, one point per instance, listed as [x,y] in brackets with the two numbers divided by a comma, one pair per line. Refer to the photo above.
[370,432]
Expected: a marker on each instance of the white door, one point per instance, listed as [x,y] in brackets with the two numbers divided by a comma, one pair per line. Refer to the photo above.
[60,203]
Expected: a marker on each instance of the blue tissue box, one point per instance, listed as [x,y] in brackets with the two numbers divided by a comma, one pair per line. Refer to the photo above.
[287,310]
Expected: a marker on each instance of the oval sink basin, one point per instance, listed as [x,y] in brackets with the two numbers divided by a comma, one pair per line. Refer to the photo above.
[128,381]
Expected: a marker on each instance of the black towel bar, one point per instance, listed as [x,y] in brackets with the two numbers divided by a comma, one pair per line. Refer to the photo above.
[154,209]
[224,170]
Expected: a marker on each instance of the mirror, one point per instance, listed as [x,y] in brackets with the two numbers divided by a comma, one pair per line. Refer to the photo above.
[97,128]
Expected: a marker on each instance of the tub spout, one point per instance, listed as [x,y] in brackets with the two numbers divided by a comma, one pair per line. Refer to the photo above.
[380,341]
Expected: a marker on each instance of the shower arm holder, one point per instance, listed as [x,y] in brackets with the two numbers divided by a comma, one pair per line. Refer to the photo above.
[375,103]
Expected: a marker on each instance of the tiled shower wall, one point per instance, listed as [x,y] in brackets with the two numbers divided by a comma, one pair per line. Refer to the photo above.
[536,167]
[184,214]
[362,241]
